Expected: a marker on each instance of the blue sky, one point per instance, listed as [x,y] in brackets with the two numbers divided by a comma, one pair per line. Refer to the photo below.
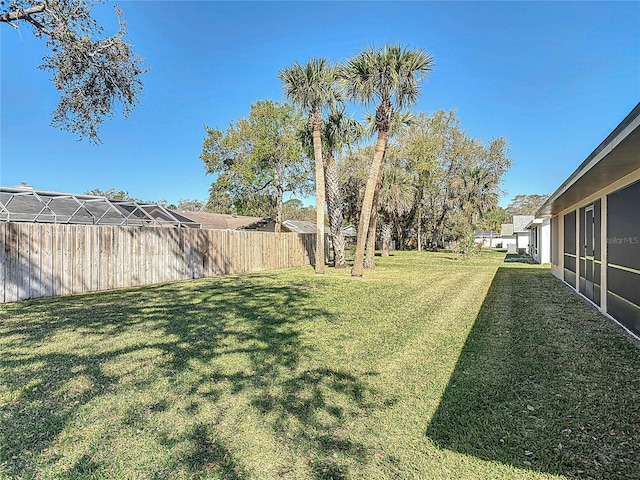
[554,78]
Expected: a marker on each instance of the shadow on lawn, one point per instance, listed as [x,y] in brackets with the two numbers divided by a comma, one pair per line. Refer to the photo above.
[173,334]
[545,383]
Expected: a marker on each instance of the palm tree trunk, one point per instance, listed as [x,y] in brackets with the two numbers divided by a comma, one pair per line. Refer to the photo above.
[367,204]
[420,228]
[317,151]
[386,236]
[334,207]
[370,249]
[278,224]
[400,233]
[438,227]
[280,189]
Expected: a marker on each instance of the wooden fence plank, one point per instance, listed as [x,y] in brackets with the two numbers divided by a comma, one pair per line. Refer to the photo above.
[3,260]
[135,252]
[120,254]
[171,268]
[110,258]
[180,253]
[121,249]
[95,258]
[47,270]
[216,238]
[23,262]
[161,246]
[11,248]
[56,260]
[66,283]
[126,257]
[35,261]
[79,267]
[151,252]
[142,256]
[102,257]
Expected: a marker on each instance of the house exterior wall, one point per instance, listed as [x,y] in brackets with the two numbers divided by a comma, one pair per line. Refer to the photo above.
[522,242]
[540,241]
[533,242]
[506,241]
[602,260]
[544,242]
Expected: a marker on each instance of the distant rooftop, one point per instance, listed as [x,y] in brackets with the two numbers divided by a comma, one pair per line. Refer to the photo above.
[520,222]
[223,221]
[506,230]
[299,226]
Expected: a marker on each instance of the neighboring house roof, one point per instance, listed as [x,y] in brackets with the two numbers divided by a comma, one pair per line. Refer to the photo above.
[520,223]
[26,204]
[350,231]
[221,221]
[614,158]
[506,230]
[536,222]
[301,226]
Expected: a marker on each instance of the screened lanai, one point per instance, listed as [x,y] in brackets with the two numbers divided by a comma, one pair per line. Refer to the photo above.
[25,204]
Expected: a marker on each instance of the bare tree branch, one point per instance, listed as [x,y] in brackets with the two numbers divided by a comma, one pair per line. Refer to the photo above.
[93,73]
[9,17]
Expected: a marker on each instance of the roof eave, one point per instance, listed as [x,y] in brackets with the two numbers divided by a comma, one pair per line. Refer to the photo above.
[610,161]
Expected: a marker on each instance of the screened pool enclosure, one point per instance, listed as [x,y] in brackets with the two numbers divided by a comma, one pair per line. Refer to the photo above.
[25,204]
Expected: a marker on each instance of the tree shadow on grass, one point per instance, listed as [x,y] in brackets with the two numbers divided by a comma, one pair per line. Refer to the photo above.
[66,354]
[544,382]
[209,455]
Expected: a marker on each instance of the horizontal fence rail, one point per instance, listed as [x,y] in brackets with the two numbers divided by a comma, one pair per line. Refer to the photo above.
[47,260]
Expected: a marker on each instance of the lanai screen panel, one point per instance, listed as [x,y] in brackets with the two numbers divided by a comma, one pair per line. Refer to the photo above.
[68,209]
[597,251]
[590,251]
[104,212]
[26,205]
[623,256]
[570,248]
[19,204]
[555,243]
[23,207]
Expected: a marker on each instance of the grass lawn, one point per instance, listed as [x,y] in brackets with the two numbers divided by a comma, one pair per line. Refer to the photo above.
[428,368]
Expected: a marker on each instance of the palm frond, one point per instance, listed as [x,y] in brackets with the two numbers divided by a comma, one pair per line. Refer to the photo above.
[313,86]
[391,75]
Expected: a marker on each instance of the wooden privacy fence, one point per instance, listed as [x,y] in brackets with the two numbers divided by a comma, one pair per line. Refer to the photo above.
[46,260]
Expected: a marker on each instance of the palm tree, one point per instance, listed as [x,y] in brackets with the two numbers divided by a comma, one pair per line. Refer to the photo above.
[339,130]
[480,186]
[370,247]
[312,88]
[399,122]
[391,76]
[397,196]
[353,171]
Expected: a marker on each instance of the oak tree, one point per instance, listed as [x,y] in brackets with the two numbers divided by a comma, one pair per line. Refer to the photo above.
[92,71]
[258,159]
